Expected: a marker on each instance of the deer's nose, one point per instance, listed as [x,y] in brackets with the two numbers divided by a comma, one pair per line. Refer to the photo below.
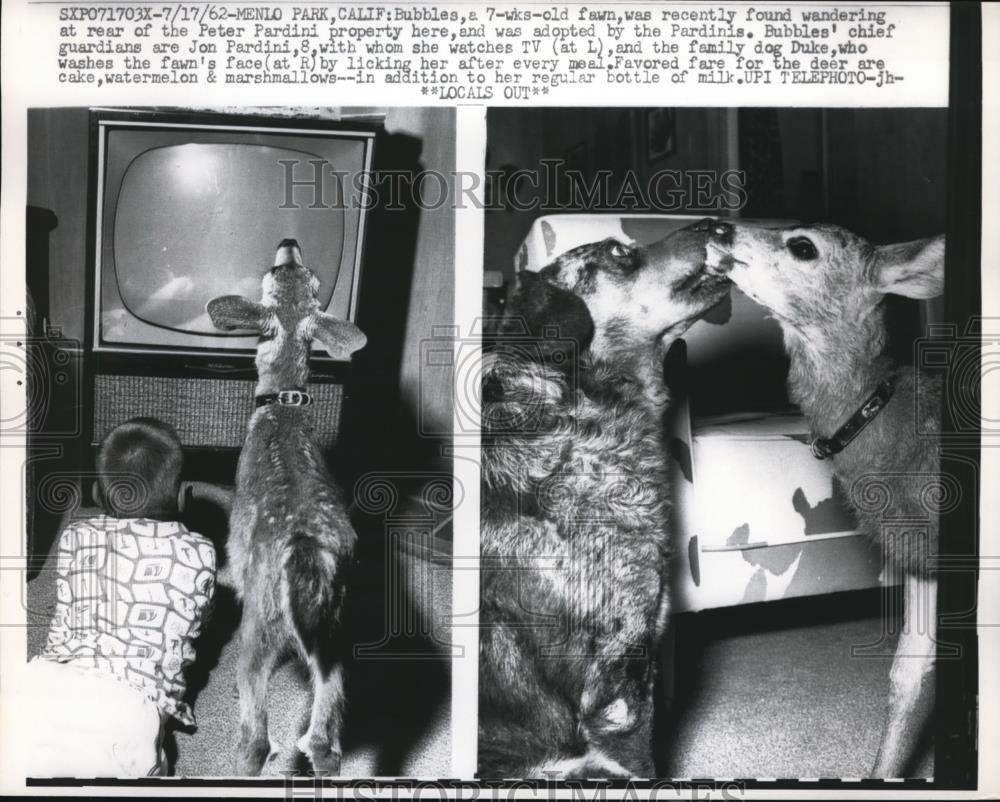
[289,253]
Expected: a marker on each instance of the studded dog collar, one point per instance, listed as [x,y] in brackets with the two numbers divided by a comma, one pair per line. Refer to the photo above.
[823,447]
[286,398]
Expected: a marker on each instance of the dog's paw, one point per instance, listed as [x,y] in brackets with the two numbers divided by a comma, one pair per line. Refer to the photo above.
[594,765]
[616,716]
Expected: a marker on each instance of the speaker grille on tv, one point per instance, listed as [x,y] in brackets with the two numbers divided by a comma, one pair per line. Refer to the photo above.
[210,413]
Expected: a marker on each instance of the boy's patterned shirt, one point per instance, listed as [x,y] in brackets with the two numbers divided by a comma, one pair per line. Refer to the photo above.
[132,594]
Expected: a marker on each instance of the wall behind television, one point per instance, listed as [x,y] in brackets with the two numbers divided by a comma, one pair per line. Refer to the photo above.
[58,151]
[400,301]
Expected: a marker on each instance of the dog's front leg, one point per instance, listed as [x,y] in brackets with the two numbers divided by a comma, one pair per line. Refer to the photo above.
[911,679]
[616,710]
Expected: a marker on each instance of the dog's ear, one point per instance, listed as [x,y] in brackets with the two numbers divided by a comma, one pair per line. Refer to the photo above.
[914,269]
[338,337]
[236,312]
[551,314]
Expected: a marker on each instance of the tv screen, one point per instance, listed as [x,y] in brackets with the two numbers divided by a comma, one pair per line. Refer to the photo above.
[187,211]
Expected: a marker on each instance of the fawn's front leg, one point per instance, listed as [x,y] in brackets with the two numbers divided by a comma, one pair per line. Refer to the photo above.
[911,679]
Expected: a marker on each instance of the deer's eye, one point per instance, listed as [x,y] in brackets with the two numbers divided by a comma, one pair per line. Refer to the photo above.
[802,249]
[619,251]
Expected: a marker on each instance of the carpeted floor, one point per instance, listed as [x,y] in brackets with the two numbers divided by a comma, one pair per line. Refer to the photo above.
[398,715]
[760,691]
[773,691]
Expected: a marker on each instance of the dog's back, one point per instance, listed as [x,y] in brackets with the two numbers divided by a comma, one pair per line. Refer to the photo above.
[575,496]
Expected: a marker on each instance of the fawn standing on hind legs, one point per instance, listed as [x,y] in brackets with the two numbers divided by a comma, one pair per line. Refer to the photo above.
[291,540]
[878,421]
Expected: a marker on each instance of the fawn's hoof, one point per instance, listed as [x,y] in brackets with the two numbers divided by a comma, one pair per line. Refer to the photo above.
[324,759]
[251,756]
[326,764]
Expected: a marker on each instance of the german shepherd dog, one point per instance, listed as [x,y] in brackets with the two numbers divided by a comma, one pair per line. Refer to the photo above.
[291,540]
[575,500]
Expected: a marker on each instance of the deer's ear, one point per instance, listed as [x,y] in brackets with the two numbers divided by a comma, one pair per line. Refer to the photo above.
[914,269]
[338,337]
[236,312]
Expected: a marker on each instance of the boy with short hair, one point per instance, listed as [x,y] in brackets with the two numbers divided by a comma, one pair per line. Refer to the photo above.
[134,587]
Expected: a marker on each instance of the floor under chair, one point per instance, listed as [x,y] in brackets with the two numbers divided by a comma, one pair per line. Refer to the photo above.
[772,690]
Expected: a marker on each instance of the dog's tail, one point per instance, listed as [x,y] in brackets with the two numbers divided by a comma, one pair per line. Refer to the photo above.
[315,593]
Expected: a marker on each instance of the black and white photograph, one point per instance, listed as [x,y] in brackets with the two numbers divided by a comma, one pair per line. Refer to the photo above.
[238,495]
[577,400]
[712,469]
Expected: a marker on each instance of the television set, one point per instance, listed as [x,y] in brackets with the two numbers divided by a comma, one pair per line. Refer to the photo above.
[189,206]
[192,207]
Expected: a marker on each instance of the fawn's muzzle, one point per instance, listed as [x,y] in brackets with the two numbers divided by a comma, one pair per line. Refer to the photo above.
[288,254]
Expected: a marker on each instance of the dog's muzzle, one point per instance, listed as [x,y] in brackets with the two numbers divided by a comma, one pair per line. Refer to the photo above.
[718,259]
[718,230]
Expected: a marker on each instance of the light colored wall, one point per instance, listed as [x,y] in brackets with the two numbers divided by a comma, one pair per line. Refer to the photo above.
[432,293]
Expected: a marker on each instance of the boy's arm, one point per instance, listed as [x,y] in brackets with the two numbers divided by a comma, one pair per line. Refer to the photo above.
[61,626]
[205,587]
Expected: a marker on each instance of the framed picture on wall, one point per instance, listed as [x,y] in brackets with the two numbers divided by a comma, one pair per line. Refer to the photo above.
[661,139]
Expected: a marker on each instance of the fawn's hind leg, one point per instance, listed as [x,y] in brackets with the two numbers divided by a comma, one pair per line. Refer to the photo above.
[911,680]
[321,742]
[256,661]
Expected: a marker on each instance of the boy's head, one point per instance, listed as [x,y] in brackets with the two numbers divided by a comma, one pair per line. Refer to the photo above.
[139,469]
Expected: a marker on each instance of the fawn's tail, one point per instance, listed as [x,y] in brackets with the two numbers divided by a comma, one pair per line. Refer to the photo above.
[315,585]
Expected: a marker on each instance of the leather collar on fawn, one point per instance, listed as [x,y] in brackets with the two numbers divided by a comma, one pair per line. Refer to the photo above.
[285,398]
[823,447]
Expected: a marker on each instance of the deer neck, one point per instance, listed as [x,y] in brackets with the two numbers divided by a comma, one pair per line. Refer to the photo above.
[282,363]
[835,368]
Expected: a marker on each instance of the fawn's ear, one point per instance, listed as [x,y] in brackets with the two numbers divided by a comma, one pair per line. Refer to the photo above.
[914,269]
[555,316]
[338,337]
[236,312]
